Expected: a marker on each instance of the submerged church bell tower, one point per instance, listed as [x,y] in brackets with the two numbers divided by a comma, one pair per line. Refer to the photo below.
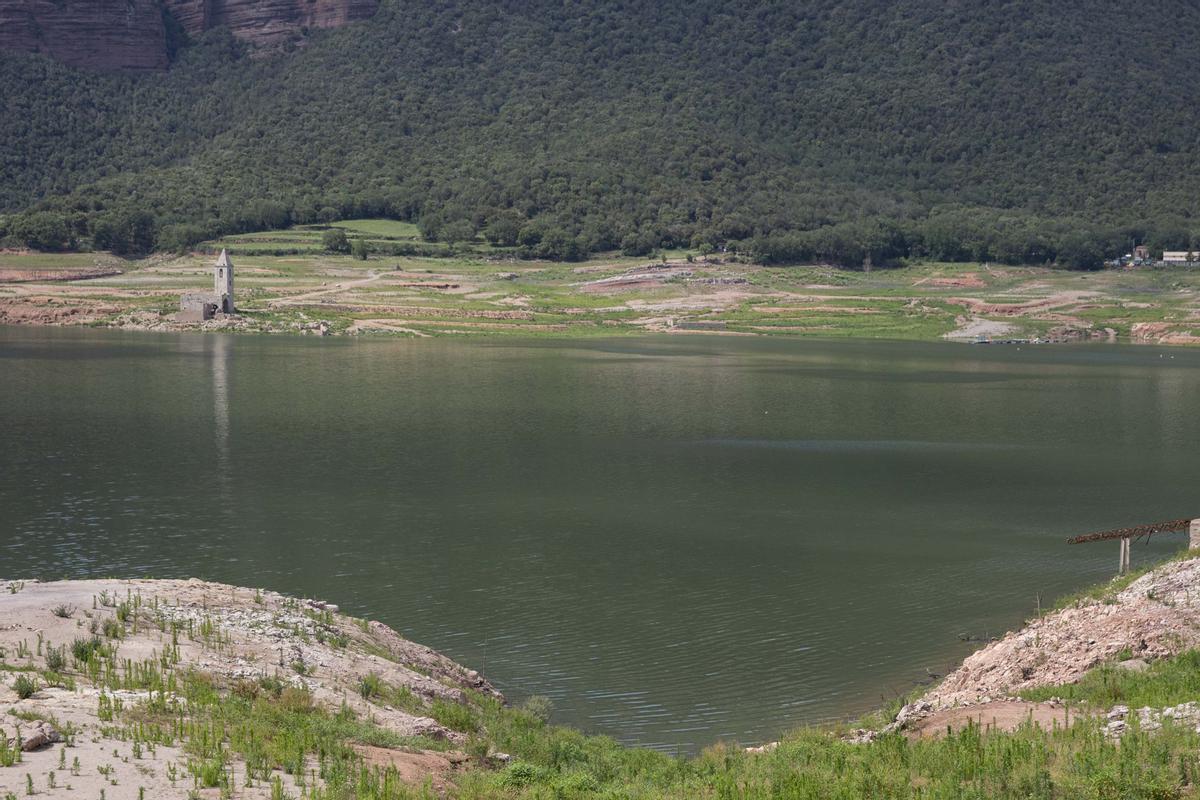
[223,282]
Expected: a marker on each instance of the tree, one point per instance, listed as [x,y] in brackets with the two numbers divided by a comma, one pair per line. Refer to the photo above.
[1079,251]
[43,230]
[558,245]
[178,238]
[459,230]
[530,235]
[502,230]
[335,240]
[125,233]
[638,244]
[360,249]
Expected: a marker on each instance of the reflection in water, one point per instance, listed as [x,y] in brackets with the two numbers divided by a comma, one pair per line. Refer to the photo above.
[221,352]
[864,446]
[677,540]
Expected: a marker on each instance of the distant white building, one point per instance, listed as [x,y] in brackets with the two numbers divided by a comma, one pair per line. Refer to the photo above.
[1180,256]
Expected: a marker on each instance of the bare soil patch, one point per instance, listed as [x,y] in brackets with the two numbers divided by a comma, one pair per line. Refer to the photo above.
[35,275]
[997,715]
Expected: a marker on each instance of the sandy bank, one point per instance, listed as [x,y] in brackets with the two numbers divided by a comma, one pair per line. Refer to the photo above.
[150,633]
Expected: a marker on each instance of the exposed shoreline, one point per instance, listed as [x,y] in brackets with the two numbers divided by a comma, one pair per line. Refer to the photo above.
[330,295]
[237,637]
[1128,623]
[402,695]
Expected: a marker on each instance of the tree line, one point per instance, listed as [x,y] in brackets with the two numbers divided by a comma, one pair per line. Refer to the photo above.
[846,132]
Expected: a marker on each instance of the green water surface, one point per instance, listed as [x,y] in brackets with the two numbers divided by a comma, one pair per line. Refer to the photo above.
[677,539]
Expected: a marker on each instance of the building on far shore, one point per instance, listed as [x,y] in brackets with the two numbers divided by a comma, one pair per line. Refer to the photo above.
[1179,256]
[199,306]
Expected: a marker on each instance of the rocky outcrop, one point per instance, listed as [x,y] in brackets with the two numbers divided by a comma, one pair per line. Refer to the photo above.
[1156,616]
[132,34]
[104,34]
[267,22]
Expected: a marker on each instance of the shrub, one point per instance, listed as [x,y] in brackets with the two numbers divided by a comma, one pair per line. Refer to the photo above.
[520,775]
[455,716]
[271,685]
[25,686]
[539,707]
[63,611]
[83,649]
[56,659]
[295,700]
[370,686]
[335,240]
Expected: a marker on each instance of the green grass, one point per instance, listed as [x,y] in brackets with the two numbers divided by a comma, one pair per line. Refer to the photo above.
[389,228]
[1079,762]
[1168,682]
[58,261]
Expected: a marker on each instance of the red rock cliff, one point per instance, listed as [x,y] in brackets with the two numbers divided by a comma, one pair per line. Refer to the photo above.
[108,34]
[130,34]
[268,21]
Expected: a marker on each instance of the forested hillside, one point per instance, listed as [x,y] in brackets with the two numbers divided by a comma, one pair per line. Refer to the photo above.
[1018,131]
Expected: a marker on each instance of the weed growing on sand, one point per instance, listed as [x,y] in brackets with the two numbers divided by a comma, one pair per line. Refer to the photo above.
[82,650]
[9,753]
[370,685]
[64,611]
[56,659]
[25,686]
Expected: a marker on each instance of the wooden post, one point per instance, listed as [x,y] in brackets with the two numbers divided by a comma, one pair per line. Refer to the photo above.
[1123,562]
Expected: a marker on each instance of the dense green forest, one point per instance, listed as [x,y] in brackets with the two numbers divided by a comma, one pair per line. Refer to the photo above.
[1031,132]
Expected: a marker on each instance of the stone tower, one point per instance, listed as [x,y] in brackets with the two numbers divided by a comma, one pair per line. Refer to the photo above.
[223,282]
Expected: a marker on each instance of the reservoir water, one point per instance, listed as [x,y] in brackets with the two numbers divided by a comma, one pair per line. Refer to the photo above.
[677,539]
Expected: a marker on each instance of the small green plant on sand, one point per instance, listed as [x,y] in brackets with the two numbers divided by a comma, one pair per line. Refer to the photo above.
[370,685]
[82,650]
[56,659]
[25,686]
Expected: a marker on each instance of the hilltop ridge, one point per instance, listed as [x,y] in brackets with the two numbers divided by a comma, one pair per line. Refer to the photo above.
[850,133]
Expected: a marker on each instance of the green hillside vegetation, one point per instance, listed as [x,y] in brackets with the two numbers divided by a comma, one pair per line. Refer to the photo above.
[817,131]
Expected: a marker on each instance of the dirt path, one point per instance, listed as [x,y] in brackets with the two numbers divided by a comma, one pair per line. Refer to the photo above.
[384,325]
[303,299]
[997,715]
[975,327]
